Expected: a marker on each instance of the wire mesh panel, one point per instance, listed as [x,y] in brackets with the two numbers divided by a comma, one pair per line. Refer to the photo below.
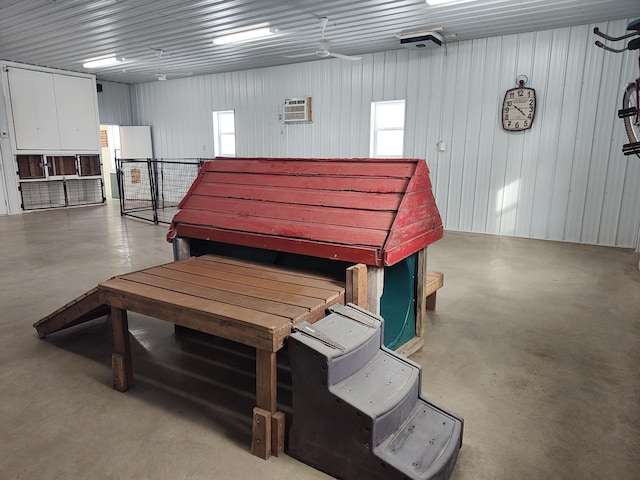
[37,195]
[136,188]
[84,191]
[152,189]
[173,181]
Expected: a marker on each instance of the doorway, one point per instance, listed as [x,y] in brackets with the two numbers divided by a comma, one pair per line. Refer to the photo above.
[110,151]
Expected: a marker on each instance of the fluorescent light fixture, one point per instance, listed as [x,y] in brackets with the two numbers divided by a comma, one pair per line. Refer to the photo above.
[253,34]
[440,2]
[102,62]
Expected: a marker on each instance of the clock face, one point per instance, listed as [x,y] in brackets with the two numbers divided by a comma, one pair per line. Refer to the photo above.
[518,109]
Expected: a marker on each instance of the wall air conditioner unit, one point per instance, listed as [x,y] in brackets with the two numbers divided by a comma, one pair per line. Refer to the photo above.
[297,110]
[421,39]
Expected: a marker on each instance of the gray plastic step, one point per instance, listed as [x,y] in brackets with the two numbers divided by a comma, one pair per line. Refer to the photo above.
[360,339]
[357,410]
[386,384]
[426,445]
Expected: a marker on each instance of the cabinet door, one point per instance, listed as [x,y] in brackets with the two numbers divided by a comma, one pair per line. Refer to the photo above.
[33,104]
[77,121]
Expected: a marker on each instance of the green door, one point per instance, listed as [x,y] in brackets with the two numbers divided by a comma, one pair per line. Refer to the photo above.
[398,302]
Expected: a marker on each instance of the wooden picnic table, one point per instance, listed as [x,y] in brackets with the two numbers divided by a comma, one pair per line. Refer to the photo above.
[247,302]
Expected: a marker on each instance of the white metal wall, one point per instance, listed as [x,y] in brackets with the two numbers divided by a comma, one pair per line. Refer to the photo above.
[4,202]
[565,179]
[114,104]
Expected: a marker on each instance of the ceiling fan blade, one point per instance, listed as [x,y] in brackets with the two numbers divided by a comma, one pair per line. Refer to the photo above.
[300,55]
[344,57]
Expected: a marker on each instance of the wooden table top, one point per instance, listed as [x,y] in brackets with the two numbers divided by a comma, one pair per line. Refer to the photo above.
[248,302]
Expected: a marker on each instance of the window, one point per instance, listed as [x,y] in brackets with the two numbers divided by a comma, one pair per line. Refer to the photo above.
[224,134]
[387,129]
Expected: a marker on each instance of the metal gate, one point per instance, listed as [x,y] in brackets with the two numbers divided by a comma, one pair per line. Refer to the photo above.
[152,189]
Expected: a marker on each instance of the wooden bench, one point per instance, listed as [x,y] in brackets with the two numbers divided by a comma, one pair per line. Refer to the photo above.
[247,302]
[435,280]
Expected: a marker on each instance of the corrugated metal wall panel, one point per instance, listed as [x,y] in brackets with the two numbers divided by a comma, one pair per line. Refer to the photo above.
[627,215]
[564,179]
[606,127]
[114,104]
[507,188]
[486,89]
[591,72]
[550,61]
[570,119]
[532,56]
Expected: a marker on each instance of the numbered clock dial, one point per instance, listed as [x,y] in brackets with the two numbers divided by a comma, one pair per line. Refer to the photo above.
[518,109]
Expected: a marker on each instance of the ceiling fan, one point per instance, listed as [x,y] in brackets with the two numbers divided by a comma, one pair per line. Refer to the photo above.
[161,74]
[323,48]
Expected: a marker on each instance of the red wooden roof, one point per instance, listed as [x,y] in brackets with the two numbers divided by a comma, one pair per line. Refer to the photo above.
[361,210]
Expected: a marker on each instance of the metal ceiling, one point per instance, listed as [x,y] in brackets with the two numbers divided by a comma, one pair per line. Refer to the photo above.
[65,33]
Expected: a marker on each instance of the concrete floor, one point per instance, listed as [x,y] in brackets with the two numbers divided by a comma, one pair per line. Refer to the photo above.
[536,344]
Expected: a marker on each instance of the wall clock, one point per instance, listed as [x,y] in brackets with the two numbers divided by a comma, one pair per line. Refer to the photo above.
[519,107]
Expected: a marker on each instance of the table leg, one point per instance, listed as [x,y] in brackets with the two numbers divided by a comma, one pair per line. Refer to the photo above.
[268,423]
[266,380]
[121,358]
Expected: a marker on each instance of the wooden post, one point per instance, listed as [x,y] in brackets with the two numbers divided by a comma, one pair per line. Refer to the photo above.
[261,433]
[375,285]
[435,280]
[431,301]
[356,285]
[421,293]
[266,380]
[181,251]
[262,436]
[121,359]
[277,434]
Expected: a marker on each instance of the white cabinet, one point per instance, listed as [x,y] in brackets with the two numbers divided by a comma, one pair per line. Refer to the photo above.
[35,120]
[76,112]
[52,111]
[50,138]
